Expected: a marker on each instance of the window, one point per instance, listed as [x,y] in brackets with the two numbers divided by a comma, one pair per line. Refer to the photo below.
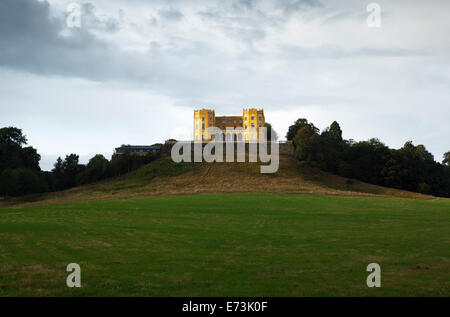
[246,126]
[203,138]
[253,118]
[240,121]
[203,126]
[234,121]
[203,119]
[260,125]
[240,137]
[253,125]
[229,121]
[245,118]
[260,118]
[223,121]
[210,119]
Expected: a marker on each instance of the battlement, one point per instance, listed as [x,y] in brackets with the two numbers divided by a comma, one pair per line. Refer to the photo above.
[249,123]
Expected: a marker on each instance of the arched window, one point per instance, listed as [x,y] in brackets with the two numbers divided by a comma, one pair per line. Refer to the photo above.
[234,136]
[228,136]
[240,136]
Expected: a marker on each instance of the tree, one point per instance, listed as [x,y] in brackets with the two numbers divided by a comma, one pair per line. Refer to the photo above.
[410,167]
[95,170]
[66,171]
[335,132]
[270,132]
[307,146]
[31,158]
[20,181]
[446,160]
[20,173]
[12,135]
[367,159]
[332,147]
[58,166]
[293,129]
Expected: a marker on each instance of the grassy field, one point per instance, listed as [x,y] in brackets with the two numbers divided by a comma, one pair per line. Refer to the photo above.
[228,245]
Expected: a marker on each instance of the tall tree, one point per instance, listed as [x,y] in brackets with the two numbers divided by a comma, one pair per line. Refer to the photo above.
[293,129]
[307,146]
[12,135]
[335,132]
[332,147]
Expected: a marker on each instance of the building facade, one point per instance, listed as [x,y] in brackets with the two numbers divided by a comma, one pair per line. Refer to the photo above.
[137,149]
[243,128]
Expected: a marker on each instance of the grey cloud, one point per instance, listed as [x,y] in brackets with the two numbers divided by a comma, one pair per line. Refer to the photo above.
[171,14]
[191,70]
[91,20]
[244,4]
[32,39]
[33,42]
[26,21]
[292,6]
[336,52]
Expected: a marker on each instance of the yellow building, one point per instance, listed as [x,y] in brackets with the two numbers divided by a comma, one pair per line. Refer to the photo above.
[233,128]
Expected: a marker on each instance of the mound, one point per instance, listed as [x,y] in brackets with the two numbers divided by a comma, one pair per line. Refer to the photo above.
[164,177]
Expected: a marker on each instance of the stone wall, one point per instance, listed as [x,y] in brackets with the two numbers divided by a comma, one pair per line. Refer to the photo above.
[285,148]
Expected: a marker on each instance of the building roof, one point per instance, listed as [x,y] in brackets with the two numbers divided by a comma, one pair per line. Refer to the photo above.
[139,147]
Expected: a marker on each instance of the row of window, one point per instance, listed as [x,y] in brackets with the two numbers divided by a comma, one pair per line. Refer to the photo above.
[229,121]
[142,150]
[253,118]
[234,137]
[223,127]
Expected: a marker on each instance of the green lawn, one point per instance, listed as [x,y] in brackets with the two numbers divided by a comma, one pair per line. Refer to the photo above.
[228,245]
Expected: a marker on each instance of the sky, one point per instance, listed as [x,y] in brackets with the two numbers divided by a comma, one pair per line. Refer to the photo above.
[134,71]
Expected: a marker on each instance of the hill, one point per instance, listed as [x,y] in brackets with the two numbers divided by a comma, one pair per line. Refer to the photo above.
[164,177]
[242,233]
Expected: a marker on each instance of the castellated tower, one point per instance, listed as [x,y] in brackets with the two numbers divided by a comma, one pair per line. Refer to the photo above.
[249,124]
[253,121]
[203,119]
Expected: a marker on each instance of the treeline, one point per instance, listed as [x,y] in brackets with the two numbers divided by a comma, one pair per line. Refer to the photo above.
[411,167]
[20,173]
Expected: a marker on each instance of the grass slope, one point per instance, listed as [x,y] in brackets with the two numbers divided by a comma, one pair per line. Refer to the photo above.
[164,177]
[228,245]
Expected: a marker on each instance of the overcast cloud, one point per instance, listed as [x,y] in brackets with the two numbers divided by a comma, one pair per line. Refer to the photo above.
[135,70]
